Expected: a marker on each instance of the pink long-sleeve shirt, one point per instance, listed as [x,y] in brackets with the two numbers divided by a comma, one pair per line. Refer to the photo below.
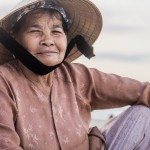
[31,120]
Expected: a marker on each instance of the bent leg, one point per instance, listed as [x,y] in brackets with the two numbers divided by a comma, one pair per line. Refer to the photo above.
[130,130]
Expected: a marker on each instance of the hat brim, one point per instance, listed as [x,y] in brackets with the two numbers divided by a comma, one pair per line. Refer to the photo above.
[86,21]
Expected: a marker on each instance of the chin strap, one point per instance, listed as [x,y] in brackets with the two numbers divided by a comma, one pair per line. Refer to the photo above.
[34,64]
[82,46]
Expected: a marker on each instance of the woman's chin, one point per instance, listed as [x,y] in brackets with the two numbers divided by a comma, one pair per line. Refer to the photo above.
[51,61]
[50,64]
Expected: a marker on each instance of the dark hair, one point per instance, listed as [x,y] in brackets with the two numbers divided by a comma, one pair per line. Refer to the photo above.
[51,12]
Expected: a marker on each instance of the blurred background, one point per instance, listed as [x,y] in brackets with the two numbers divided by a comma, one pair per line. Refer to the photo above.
[123,45]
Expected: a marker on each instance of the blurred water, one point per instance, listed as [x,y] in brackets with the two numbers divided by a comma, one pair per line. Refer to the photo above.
[99,117]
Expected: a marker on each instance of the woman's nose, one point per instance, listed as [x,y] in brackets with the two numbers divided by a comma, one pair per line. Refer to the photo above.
[47,40]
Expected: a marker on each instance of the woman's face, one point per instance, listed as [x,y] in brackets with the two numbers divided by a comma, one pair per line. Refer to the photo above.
[44,38]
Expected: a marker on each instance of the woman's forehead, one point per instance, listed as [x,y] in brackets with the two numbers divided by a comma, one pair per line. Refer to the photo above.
[42,22]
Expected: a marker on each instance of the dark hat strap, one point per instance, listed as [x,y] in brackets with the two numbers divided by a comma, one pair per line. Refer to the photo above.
[82,45]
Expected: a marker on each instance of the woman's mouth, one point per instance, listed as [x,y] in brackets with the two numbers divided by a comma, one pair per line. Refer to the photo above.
[47,53]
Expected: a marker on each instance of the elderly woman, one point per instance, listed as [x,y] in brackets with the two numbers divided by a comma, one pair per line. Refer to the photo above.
[46,101]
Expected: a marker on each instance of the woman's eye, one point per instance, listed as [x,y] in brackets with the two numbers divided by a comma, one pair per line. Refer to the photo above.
[56,32]
[35,31]
[32,30]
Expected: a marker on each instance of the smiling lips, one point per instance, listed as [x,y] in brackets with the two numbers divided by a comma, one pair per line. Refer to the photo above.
[47,53]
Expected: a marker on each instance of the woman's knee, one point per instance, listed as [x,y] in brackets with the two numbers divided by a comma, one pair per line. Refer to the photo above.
[131,126]
[139,109]
[139,112]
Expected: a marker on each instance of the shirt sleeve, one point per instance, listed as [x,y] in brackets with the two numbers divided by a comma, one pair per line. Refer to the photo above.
[105,91]
[9,139]
[111,91]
